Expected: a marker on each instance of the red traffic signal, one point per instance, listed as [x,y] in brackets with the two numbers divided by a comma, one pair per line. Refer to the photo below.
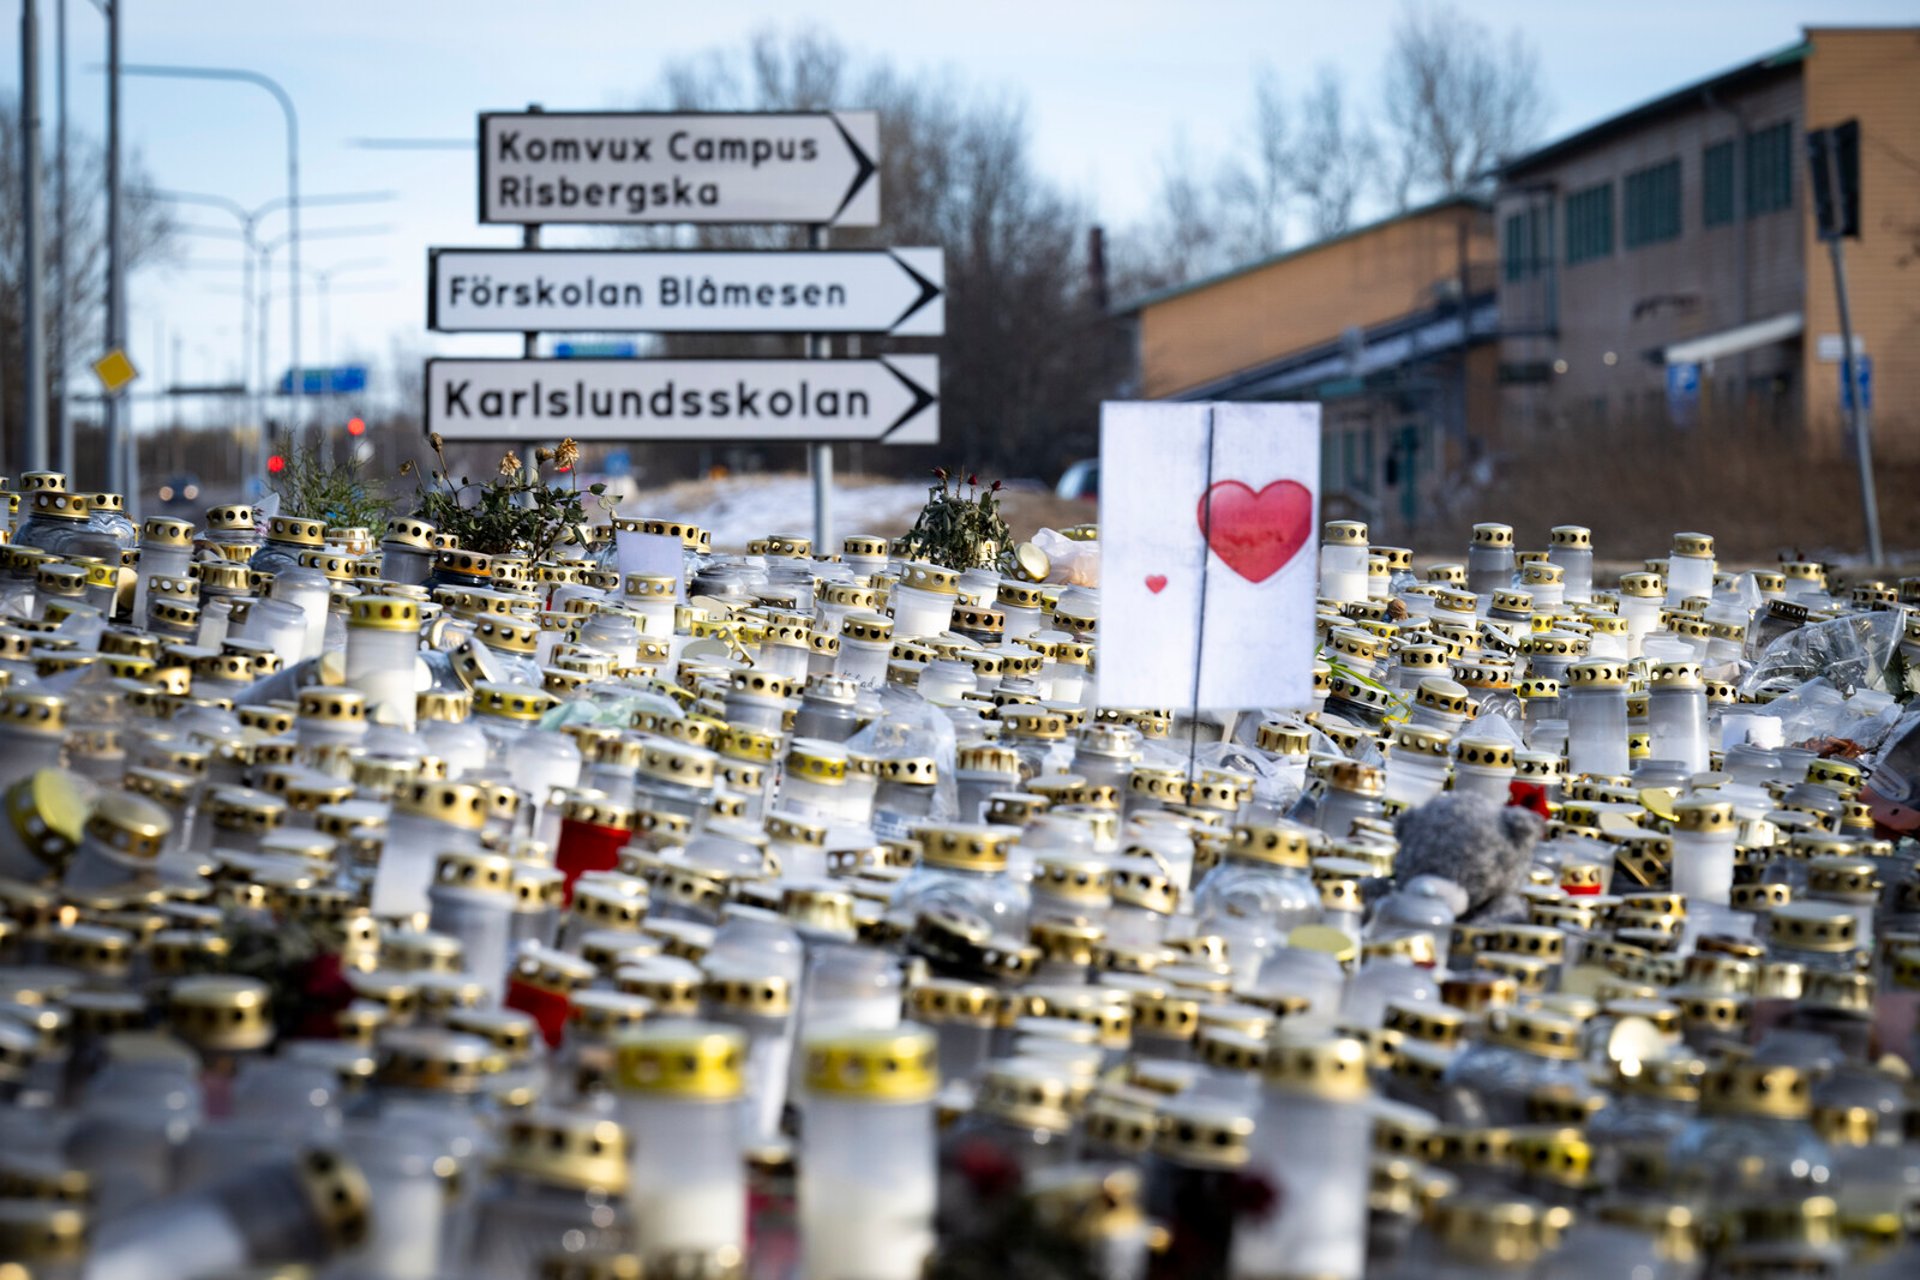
[356,426]
[276,464]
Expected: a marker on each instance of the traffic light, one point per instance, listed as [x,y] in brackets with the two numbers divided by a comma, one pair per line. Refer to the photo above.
[276,464]
[356,426]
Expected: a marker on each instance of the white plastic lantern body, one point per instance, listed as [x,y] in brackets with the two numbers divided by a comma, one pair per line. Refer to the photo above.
[687,1186]
[307,590]
[866,1193]
[1343,571]
[1489,568]
[1314,1152]
[381,663]
[1677,725]
[1489,782]
[1688,575]
[1703,865]
[1643,615]
[1576,566]
[1596,729]
[405,873]
[404,564]
[863,661]
[158,561]
[1414,778]
[280,625]
[918,613]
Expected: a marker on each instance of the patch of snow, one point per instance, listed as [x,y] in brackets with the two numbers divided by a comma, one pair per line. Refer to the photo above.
[740,508]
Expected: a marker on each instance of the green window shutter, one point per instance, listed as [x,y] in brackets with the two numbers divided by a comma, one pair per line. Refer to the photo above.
[1716,184]
[1590,224]
[1516,253]
[1770,169]
[1653,204]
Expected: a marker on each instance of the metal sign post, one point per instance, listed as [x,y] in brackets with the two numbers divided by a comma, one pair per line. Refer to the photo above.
[810,167]
[1833,156]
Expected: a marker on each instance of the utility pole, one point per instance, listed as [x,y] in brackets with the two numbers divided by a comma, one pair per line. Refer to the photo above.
[62,412]
[118,447]
[34,322]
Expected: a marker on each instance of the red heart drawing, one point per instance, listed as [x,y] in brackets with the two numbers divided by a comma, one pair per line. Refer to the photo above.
[1156,582]
[1256,534]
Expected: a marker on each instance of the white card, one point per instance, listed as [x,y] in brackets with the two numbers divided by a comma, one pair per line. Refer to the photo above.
[1188,619]
[654,554]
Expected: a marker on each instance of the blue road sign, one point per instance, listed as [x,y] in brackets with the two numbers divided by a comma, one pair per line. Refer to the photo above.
[339,379]
[1862,374]
[595,350]
[1683,393]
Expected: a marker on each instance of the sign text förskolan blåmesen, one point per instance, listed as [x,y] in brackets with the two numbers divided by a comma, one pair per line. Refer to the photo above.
[637,167]
[893,398]
[895,291]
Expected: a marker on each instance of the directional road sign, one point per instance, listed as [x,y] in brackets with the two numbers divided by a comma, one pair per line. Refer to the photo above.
[339,379]
[897,291]
[894,399]
[633,167]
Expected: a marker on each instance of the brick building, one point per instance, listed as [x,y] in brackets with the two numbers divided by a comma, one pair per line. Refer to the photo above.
[1390,326]
[1662,265]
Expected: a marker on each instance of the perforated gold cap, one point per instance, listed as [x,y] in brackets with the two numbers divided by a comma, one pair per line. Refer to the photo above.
[695,1060]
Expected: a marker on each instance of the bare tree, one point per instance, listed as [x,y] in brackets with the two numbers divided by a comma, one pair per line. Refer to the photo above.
[1334,156]
[1028,355]
[1257,184]
[148,237]
[1456,100]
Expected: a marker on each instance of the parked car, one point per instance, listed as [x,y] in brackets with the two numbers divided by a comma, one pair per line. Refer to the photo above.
[1080,481]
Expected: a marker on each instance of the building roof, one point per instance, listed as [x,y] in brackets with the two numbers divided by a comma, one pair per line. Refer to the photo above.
[1686,96]
[1206,282]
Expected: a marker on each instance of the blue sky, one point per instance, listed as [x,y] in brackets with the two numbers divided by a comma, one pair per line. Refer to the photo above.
[1109,87]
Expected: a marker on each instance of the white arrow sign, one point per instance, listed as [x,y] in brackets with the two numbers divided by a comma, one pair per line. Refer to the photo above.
[630,167]
[895,291]
[894,399]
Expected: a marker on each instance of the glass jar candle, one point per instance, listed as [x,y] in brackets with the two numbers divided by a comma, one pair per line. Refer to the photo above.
[1690,567]
[758,699]
[754,995]
[1570,546]
[676,778]
[383,635]
[679,1085]
[868,1185]
[1023,608]
[1490,559]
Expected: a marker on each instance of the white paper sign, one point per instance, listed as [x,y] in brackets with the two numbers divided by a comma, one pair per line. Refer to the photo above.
[1208,554]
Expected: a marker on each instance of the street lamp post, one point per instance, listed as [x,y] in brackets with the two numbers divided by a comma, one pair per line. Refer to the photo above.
[249,220]
[33,218]
[280,96]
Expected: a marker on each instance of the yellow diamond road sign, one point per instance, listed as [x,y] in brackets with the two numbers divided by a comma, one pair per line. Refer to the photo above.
[115,371]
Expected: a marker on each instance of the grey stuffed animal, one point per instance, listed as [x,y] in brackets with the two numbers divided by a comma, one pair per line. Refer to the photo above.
[1482,847]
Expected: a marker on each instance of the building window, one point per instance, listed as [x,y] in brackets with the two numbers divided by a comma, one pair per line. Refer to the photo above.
[1653,204]
[1527,245]
[1716,184]
[1769,172]
[1590,224]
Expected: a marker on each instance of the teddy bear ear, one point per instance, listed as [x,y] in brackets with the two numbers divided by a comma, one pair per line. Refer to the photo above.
[1522,826]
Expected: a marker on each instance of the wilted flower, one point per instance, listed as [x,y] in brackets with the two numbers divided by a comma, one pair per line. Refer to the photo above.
[406,468]
[435,439]
[941,474]
[543,456]
[567,454]
[972,479]
[509,464]
[996,487]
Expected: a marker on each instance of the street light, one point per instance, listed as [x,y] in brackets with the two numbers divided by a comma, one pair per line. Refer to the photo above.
[249,220]
[280,96]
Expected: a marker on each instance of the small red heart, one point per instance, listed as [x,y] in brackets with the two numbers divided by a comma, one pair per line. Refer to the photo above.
[1256,534]
[1156,582]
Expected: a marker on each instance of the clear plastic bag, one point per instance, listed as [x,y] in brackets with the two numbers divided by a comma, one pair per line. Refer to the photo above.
[1850,653]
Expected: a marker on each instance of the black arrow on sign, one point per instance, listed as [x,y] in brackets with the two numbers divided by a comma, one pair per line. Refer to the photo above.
[921,399]
[865,168]
[928,291]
